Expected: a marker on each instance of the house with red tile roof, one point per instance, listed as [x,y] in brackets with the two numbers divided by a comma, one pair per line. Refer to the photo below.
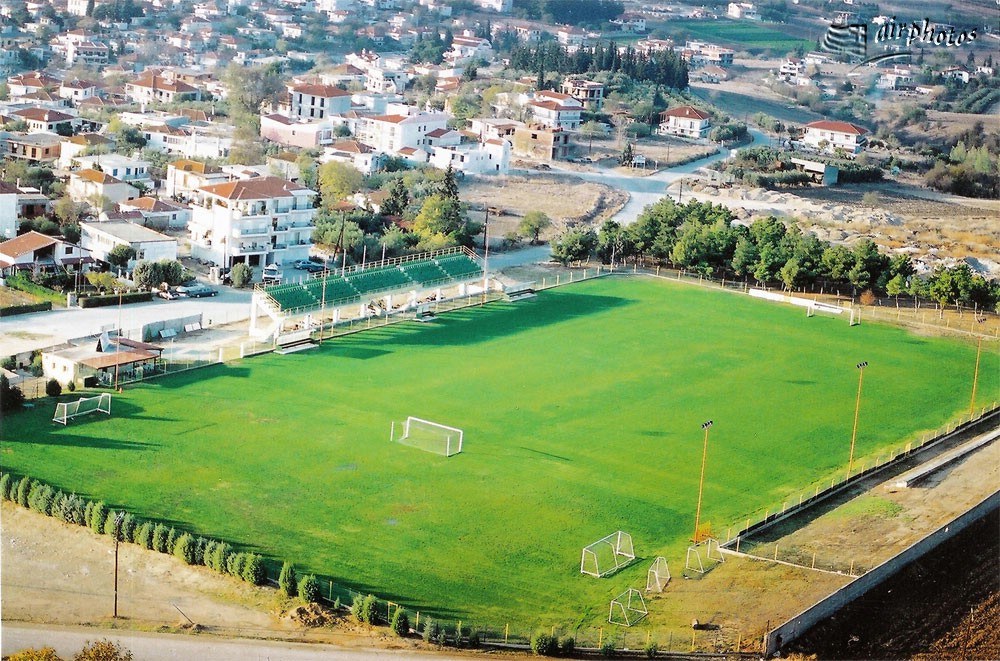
[686,121]
[93,186]
[835,136]
[36,251]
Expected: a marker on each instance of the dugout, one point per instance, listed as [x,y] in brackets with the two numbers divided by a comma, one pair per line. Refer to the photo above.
[99,359]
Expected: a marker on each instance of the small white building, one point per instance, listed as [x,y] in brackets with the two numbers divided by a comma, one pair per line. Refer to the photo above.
[93,186]
[159,214]
[556,110]
[491,156]
[686,121]
[833,136]
[100,239]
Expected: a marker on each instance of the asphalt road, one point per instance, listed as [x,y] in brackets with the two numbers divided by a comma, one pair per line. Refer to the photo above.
[67,641]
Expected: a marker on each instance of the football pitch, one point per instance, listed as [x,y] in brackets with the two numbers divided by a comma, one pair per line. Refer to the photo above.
[582,412]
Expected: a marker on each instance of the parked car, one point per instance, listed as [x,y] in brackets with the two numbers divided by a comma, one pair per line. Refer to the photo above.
[196,291]
[168,294]
[271,274]
[308,265]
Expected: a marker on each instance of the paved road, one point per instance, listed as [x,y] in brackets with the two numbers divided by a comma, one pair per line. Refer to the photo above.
[168,647]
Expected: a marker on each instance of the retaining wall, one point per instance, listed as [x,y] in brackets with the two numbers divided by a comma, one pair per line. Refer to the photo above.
[826,607]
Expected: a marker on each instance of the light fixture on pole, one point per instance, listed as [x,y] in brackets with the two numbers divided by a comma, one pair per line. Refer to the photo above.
[701,482]
[857,409]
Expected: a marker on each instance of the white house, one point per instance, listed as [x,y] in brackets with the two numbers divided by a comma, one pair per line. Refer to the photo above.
[831,136]
[258,221]
[159,214]
[491,156]
[743,10]
[293,132]
[36,251]
[390,133]
[92,186]
[133,171]
[356,154]
[556,110]
[184,176]
[100,239]
[312,101]
[686,121]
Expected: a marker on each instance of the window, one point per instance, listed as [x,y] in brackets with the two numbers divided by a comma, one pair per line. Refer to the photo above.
[68,250]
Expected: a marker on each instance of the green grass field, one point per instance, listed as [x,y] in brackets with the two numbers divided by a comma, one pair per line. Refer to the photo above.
[581,410]
[741,35]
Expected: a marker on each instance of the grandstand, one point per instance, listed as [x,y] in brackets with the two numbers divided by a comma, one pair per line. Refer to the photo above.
[359,285]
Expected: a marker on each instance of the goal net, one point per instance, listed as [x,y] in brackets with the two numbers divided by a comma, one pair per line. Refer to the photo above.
[607,555]
[658,575]
[704,556]
[428,436]
[97,404]
[628,608]
[816,308]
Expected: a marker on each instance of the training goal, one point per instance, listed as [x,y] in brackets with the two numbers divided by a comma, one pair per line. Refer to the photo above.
[97,404]
[658,575]
[628,608]
[704,556]
[816,308]
[607,555]
[428,436]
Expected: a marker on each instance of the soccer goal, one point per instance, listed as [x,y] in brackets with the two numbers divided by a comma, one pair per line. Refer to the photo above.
[658,575]
[628,608]
[607,555]
[835,310]
[428,436]
[703,556]
[98,404]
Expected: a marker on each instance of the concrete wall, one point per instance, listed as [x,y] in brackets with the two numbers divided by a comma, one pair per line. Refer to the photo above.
[802,622]
[151,331]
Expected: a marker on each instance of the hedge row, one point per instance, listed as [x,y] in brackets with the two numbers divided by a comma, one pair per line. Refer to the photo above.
[153,535]
[113,299]
[27,308]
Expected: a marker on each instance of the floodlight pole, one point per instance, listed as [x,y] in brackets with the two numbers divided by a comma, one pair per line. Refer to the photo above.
[486,247]
[119,517]
[118,340]
[975,375]
[857,410]
[701,482]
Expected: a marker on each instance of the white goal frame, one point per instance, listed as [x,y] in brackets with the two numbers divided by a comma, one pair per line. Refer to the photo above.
[827,308]
[658,575]
[67,410]
[628,608]
[442,439]
[713,556]
[622,553]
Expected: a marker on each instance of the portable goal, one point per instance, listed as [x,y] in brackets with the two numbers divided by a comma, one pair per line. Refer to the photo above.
[628,608]
[825,308]
[428,436]
[607,555]
[703,556]
[97,404]
[658,575]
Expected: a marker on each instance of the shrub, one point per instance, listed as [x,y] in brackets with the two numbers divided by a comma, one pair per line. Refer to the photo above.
[144,535]
[286,580]
[40,498]
[241,274]
[23,489]
[36,368]
[9,363]
[608,649]
[128,528]
[336,604]
[103,650]
[220,557]
[184,548]
[400,623]
[309,589]
[369,610]
[31,654]
[53,388]
[254,572]
[651,649]
[98,514]
[441,638]
[172,536]
[160,538]
[235,563]
[200,545]
[110,524]
[210,546]
[5,482]
[88,509]
[71,386]
[74,510]
[431,630]
[543,644]
[474,639]
[567,646]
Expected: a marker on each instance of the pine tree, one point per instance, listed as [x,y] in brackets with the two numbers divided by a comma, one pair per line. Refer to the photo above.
[287,580]
[627,154]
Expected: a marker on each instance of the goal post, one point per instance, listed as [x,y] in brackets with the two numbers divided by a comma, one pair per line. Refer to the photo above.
[68,410]
[607,555]
[817,307]
[428,436]
[658,575]
[628,608]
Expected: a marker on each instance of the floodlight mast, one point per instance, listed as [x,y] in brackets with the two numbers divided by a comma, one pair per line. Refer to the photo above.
[701,482]
[857,409]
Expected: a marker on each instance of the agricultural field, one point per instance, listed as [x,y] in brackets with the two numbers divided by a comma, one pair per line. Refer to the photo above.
[581,410]
[754,38]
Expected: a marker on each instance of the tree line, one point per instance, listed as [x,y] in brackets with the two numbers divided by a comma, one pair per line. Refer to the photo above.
[701,237]
[569,12]
[664,68]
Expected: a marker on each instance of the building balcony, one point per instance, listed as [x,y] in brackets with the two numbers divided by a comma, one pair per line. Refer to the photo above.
[239,232]
[250,249]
